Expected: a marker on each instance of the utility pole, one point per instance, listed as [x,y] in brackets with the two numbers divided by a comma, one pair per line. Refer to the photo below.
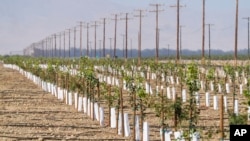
[203,31]
[236,33]
[131,47]
[81,39]
[104,25]
[100,48]
[178,30]
[139,34]
[87,39]
[126,35]
[69,41]
[55,45]
[75,41]
[156,31]
[114,54]
[46,47]
[209,41]
[64,44]
[51,46]
[60,40]
[110,40]
[95,25]
[248,19]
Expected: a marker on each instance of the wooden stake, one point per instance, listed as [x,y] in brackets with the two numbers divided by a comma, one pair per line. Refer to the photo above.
[236,34]
[162,116]
[222,117]
[98,98]
[121,95]
[109,106]
[134,113]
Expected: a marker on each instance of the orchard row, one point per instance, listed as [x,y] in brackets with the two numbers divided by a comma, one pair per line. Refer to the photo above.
[185,98]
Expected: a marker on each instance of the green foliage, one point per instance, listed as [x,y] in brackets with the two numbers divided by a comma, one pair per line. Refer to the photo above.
[112,98]
[234,119]
[192,80]
[180,110]
[167,109]
[210,75]
[72,83]
[193,86]
[246,92]
[141,94]
[229,70]
[247,95]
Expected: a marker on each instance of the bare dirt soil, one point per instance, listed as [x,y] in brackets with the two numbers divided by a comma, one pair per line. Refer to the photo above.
[28,113]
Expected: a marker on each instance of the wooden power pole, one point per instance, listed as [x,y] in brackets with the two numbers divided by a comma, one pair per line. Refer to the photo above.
[95,25]
[178,31]
[139,35]
[248,19]
[203,31]
[69,41]
[126,35]
[156,31]
[64,44]
[236,33]
[104,37]
[115,32]
[87,39]
[75,41]
[209,40]
[81,39]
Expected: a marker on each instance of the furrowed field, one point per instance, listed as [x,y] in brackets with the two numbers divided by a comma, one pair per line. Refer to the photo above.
[113,99]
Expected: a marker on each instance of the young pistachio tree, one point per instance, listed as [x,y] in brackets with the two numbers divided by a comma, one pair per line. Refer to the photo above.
[51,73]
[167,109]
[130,85]
[180,72]
[240,76]
[210,76]
[141,97]
[230,71]
[193,85]
[246,93]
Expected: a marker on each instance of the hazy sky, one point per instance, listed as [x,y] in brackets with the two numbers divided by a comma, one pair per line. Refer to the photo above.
[23,22]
